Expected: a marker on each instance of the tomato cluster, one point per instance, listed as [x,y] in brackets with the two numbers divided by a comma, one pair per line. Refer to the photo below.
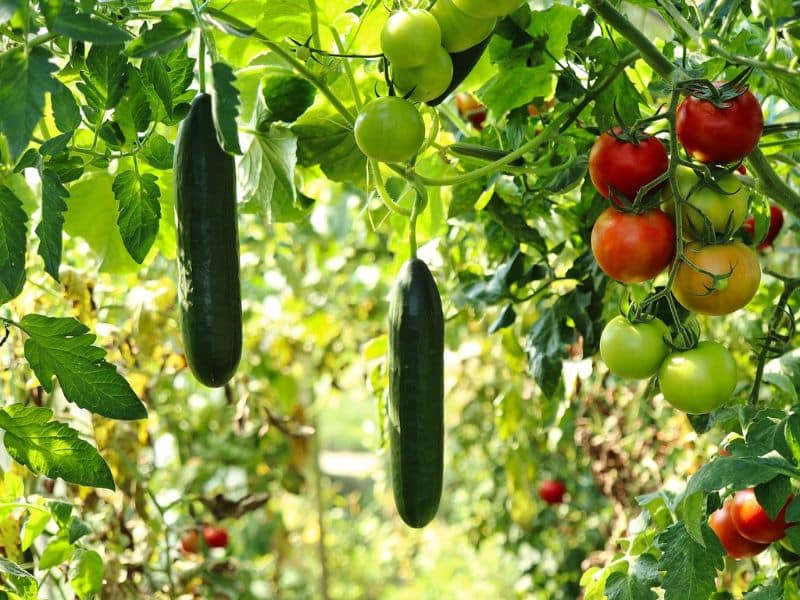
[743,526]
[214,536]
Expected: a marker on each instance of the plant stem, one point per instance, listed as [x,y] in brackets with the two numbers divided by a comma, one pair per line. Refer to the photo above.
[772,185]
[348,71]
[386,198]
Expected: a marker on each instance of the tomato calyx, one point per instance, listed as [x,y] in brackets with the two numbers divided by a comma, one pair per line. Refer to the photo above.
[718,94]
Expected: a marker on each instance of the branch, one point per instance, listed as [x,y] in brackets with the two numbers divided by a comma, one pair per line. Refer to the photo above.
[772,185]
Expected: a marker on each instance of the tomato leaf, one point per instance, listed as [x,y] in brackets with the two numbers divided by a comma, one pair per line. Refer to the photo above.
[226,107]
[52,448]
[635,584]
[88,28]
[105,78]
[165,36]
[773,494]
[86,573]
[51,226]
[139,211]
[63,348]
[13,244]
[690,568]
[739,471]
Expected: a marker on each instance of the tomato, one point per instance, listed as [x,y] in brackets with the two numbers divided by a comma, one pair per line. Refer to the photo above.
[535,109]
[725,211]
[634,350]
[719,135]
[428,81]
[215,537]
[471,109]
[632,248]
[190,541]
[775,225]
[552,491]
[460,31]
[696,291]
[488,8]
[751,520]
[734,543]
[410,37]
[389,129]
[699,380]
[625,166]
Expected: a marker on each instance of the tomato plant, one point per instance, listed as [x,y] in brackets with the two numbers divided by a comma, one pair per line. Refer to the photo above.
[699,380]
[621,168]
[751,520]
[552,491]
[734,543]
[484,10]
[775,226]
[725,208]
[427,81]
[410,38]
[634,350]
[460,30]
[633,247]
[389,129]
[190,541]
[727,280]
[723,133]
[215,536]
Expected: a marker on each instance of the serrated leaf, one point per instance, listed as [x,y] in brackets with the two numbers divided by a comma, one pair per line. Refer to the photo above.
[50,228]
[105,77]
[166,35]
[62,512]
[158,152]
[86,573]
[139,211]
[29,159]
[546,351]
[773,494]
[505,319]
[739,471]
[155,75]
[13,244]
[52,448]
[56,144]
[78,529]
[61,347]
[783,383]
[692,511]
[770,591]
[226,107]
[626,586]
[66,113]
[24,80]
[88,28]
[690,568]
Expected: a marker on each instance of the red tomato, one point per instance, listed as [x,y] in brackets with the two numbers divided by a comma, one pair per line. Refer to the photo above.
[215,537]
[471,109]
[633,248]
[552,491]
[719,135]
[625,166]
[751,520]
[775,225]
[190,541]
[734,543]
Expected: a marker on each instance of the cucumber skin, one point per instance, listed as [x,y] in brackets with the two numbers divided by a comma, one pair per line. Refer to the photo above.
[416,393]
[208,248]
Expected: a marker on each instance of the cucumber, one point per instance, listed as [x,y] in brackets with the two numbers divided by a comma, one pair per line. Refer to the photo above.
[463,63]
[416,393]
[208,248]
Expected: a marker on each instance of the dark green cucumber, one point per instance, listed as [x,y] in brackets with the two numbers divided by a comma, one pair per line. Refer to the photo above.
[463,63]
[208,248]
[416,393]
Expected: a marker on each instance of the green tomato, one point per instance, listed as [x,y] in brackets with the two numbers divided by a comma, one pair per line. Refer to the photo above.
[460,31]
[485,9]
[725,211]
[634,350]
[389,129]
[410,37]
[428,81]
[700,380]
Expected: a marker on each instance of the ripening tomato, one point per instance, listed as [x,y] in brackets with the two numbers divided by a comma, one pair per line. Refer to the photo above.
[389,129]
[734,543]
[485,9]
[698,292]
[634,350]
[775,225]
[699,380]
[624,166]
[215,536]
[410,37]
[751,520]
[460,31]
[632,248]
[724,210]
[427,81]
[719,135]
[190,541]
[552,491]
[471,109]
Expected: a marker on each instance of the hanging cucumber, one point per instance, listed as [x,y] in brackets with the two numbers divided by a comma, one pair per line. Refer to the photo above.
[416,393]
[208,248]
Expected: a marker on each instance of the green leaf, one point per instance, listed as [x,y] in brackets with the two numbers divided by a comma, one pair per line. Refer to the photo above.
[286,95]
[34,525]
[62,512]
[136,109]
[57,552]
[627,586]
[228,24]
[105,77]
[690,568]
[13,244]
[78,529]
[56,145]
[770,591]
[773,494]
[7,10]
[226,107]
[86,573]
[88,28]
[50,227]
[164,36]
[158,152]
[66,113]
[24,80]
[739,471]
[139,211]
[11,568]
[62,347]
[693,513]
[783,383]
[156,78]
[180,68]
[52,448]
